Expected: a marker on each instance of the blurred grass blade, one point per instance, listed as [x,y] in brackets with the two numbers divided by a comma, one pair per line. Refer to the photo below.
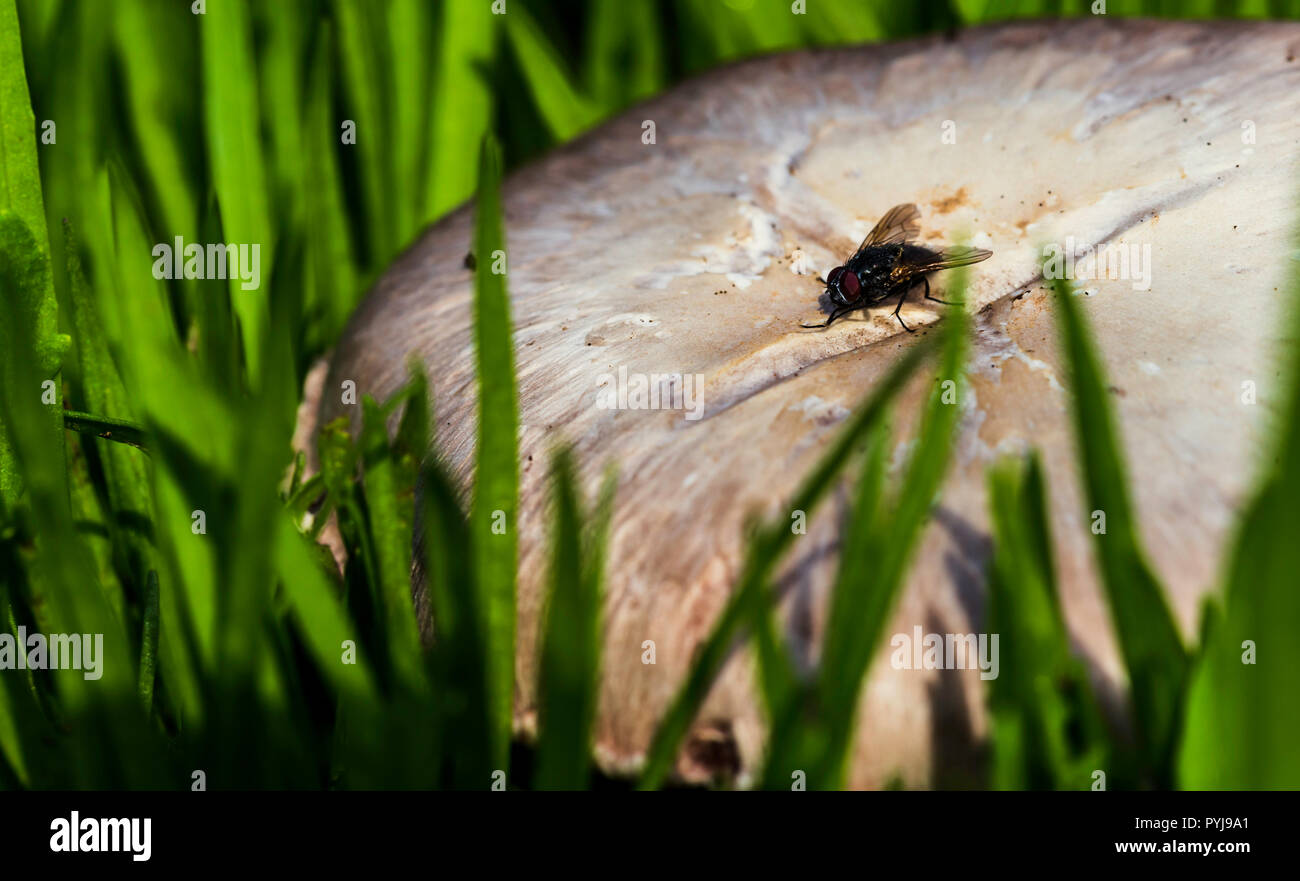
[1148,636]
[102,718]
[102,389]
[94,524]
[845,23]
[1047,730]
[155,45]
[20,181]
[879,560]
[31,306]
[566,112]
[800,739]
[409,32]
[765,31]
[1243,708]
[462,102]
[765,551]
[496,475]
[149,640]
[413,443]
[286,27]
[20,197]
[368,91]
[568,668]
[387,481]
[121,430]
[315,604]
[151,364]
[625,49]
[238,168]
[786,695]
[13,734]
[460,657]
[331,265]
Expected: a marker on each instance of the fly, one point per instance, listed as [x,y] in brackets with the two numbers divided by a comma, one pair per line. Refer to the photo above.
[887,265]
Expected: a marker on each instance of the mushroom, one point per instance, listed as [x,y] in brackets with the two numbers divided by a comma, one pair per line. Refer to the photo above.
[698,254]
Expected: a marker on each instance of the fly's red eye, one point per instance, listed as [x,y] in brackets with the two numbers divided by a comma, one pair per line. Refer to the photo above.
[834,275]
[850,284]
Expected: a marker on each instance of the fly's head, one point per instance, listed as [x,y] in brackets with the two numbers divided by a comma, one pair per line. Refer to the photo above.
[843,286]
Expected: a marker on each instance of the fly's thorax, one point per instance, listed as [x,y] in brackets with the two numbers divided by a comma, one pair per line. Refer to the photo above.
[875,263]
[874,268]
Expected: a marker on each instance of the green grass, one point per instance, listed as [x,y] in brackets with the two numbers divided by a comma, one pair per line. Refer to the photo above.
[1148,636]
[813,722]
[155,497]
[750,601]
[496,476]
[1239,716]
[1047,730]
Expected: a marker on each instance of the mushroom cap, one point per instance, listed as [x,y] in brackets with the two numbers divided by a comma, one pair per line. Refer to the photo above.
[697,255]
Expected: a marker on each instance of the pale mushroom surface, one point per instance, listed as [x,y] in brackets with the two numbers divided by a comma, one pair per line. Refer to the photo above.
[697,255]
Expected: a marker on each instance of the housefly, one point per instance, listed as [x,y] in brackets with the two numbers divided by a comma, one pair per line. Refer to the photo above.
[886,264]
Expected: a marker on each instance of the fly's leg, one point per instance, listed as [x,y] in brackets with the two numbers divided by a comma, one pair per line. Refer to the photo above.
[936,299]
[901,298]
[842,310]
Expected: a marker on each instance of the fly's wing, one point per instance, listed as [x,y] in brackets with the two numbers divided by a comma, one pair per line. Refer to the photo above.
[900,224]
[918,261]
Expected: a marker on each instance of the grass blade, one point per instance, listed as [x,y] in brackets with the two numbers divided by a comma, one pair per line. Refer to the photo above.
[568,669]
[462,102]
[315,604]
[368,91]
[20,181]
[409,32]
[879,561]
[230,95]
[1242,705]
[121,430]
[387,482]
[156,44]
[20,197]
[769,543]
[800,737]
[286,27]
[460,657]
[1047,731]
[566,112]
[102,718]
[496,476]
[331,270]
[624,60]
[149,641]
[1148,636]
